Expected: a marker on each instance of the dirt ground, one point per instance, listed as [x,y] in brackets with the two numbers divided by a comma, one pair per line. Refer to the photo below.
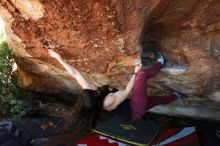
[208,131]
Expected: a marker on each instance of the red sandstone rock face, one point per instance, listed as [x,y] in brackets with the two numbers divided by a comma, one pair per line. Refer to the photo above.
[102,37]
[188,32]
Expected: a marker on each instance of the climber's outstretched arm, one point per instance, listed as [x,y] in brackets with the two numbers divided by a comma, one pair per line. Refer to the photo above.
[114,99]
[73,71]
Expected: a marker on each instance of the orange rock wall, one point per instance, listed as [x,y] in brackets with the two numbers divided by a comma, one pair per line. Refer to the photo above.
[102,37]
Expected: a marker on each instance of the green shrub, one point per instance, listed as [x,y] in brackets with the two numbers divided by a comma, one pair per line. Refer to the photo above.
[9,90]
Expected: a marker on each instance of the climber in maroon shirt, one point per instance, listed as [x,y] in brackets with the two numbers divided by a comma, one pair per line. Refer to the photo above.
[92,99]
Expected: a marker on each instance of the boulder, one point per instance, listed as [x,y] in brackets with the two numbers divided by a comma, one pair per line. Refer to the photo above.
[101,38]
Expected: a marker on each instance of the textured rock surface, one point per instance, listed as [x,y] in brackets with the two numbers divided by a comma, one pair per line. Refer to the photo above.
[102,37]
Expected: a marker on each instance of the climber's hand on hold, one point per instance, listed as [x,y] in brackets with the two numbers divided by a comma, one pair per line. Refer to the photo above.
[137,68]
[54,54]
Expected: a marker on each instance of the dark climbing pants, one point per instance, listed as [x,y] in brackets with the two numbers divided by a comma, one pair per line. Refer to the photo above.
[140,101]
[135,108]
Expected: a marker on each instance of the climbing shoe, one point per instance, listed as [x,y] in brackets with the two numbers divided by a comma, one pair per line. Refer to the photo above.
[160,58]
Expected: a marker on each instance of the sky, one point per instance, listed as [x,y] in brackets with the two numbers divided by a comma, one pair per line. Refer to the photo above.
[2,36]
